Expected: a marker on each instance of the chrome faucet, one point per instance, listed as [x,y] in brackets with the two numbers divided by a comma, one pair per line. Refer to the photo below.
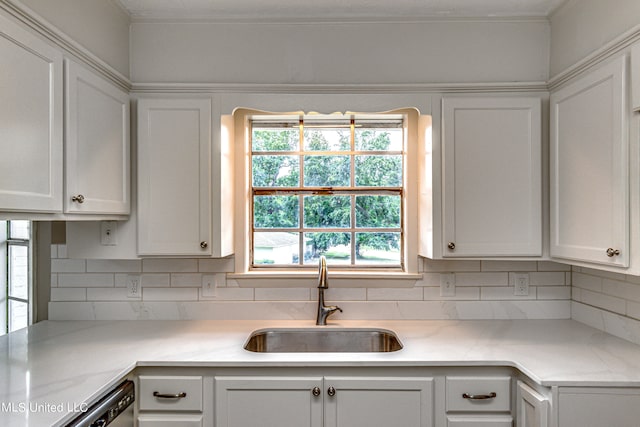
[323,310]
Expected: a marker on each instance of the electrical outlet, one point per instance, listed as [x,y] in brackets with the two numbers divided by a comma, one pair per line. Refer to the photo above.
[108,230]
[447,285]
[211,282]
[133,286]
[521,284]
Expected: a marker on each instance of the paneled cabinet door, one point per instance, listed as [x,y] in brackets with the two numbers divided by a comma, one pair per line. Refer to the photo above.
[268,401]
[589,168]
[532,407]
[378,402]
[491,191]
[30,122]
[97,144]
[174,177]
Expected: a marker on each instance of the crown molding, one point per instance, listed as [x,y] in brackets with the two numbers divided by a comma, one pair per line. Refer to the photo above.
[194,88]
[40,26]
[614,47]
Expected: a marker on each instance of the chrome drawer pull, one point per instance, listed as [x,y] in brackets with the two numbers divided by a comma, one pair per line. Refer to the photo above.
[479,396]
[169,396]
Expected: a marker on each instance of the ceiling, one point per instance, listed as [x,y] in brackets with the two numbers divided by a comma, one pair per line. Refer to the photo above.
[336,9]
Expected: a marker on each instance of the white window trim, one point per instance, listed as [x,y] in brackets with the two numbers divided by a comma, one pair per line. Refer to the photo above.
[415,129]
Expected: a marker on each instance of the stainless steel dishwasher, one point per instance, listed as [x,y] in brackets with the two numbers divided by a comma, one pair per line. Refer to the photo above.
[115,409]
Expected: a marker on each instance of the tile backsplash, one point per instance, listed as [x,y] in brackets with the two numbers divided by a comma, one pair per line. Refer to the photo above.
[171,289]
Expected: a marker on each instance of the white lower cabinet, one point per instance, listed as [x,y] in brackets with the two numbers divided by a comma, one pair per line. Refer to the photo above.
[341,401]
[473,401]
[532,407]
[170,400]
[598,407]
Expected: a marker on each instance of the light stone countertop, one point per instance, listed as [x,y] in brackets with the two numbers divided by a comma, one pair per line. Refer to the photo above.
[50,369]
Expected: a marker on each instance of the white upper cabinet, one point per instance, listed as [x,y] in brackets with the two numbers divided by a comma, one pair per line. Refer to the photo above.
[174,177]
[589,160]
[97,144]
[30,122]
[491,177]
[635,76]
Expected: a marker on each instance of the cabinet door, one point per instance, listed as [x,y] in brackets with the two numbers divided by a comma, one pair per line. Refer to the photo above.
[174,176]
[268,402]
[589,168]
[30,122]
[378,402]
[97,144]
[532,407]
[492,172]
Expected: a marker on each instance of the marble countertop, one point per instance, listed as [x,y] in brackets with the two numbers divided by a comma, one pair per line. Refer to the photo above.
[51,369]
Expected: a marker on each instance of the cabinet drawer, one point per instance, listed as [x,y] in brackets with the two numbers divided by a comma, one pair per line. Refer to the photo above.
[170,420]
[479,421]
[466,394]
[175,393]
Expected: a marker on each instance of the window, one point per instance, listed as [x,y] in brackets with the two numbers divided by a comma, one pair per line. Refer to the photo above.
[15,249]
[322,185]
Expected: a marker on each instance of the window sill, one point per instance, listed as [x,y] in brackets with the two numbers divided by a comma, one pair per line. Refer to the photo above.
[337,279]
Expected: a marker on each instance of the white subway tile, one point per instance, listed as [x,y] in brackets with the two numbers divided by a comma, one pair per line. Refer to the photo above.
[482,279]
[62,251]
[120,280]
[170,294]
[625,290]
[230,294]
[113,266]
[603,274]
[463,293]
[508,266]
[606,302]
[189,280]
[547,278]
[68,294]
[444,266]
[499,293]
[93,280]
[552,266]
[429,279]
[576,294]
[54,280]
[54,251]
[343,294]
[169,265]
[633,279]
[219,265]
[588,282]
[394,294]
[68,266]
[155,280]
[568,278]
[633,309]
[283,294]
[554,292]
[108,294]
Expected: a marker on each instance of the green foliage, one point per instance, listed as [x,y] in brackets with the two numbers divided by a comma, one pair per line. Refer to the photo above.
[322,170]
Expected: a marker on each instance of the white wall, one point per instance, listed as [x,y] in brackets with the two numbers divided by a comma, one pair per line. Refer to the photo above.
[101,27]
[341,53]
[579,27]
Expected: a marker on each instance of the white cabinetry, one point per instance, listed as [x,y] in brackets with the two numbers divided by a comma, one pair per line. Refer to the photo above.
[344,401]
[30,122]
[491,177]
[533,407]
[589,160]
[165,401]
[598,407]
[174,177]
[97,144]
[478,401]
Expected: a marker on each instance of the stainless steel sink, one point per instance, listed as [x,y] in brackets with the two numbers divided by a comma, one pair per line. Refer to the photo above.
[323,340]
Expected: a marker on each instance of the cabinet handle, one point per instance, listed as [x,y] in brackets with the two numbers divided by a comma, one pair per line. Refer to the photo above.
[79,198]
[204,245]
[169,396]
[612,252]
[316,391]
[451,245]
[479,396]
[331,391]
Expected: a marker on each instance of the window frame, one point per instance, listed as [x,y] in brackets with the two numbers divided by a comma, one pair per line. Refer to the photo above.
[352,190]
[417,132]
[6,242]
